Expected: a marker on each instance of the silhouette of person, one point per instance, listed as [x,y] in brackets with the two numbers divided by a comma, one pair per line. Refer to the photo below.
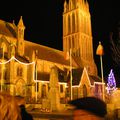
[24,114]
[9,110]
[89,108]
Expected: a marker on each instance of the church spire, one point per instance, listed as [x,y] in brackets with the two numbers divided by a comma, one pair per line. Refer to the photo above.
[20,29]
[77,33]
[21,24]
[20,36]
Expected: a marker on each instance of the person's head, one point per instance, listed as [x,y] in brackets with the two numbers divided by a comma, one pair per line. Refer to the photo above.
[9,110]
[20,100]
[89,108]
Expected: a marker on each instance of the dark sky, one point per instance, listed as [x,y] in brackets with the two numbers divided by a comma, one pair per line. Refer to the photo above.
[43,21]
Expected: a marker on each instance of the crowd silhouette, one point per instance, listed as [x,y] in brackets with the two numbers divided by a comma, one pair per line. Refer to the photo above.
[12,108]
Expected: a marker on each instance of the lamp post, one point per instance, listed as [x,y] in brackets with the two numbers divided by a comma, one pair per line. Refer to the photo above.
[100,52]
[71,74]
[2,75]
[36,75]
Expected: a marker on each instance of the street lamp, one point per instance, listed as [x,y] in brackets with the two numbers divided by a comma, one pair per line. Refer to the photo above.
[36,53]
[2,75]
[71,77]
[100,52]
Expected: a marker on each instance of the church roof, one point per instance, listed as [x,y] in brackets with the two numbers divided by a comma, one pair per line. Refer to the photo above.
[7,29]
[78,61]
[43,76]
[46,76]
[47,53]
[94,79]
[76,73]
[20,58]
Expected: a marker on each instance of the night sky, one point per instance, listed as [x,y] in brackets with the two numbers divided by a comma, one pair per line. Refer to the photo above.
[43,21]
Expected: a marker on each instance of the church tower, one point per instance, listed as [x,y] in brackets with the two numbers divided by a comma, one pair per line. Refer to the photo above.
[77,33]
[20,37]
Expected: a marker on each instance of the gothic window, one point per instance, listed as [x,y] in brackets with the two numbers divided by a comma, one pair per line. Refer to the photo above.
[69,27]
[84,91]
[64,25]
[73,44]
[61,88]
[19,71]
[70,42]
[20,88]
[37,87]
[77,22]
[73,23]
[87,25]
[82,23]
[43,91]
[5,74]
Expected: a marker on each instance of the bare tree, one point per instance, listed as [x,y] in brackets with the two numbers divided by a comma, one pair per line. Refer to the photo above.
[115,45]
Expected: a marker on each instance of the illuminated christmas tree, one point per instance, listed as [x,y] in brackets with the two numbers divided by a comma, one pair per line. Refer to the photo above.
[111,85]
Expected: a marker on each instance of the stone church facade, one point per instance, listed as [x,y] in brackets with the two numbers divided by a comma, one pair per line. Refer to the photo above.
[25,67]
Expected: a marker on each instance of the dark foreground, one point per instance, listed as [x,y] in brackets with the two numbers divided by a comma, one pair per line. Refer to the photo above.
[64,115]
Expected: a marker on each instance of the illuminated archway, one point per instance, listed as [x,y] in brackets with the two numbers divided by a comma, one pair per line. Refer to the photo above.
[20,88]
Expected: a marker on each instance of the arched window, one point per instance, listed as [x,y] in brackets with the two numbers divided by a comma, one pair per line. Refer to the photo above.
[64,25]
[82,23]
[5,74]
[43,91]
[19,71]
[73,23]
[69,27]
[70,43]
[73,42]
[37,87]
[61,88]
[77,22]
[84,91]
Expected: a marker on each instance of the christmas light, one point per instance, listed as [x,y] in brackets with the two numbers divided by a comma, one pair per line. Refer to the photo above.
[13,58]
[111,85]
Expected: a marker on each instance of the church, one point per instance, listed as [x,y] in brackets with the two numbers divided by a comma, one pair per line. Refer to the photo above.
[31,70]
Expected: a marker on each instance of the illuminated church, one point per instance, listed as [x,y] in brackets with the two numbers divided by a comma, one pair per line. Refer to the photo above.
[25,67]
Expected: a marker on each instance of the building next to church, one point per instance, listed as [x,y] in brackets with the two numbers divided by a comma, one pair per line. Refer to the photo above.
[25,67]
